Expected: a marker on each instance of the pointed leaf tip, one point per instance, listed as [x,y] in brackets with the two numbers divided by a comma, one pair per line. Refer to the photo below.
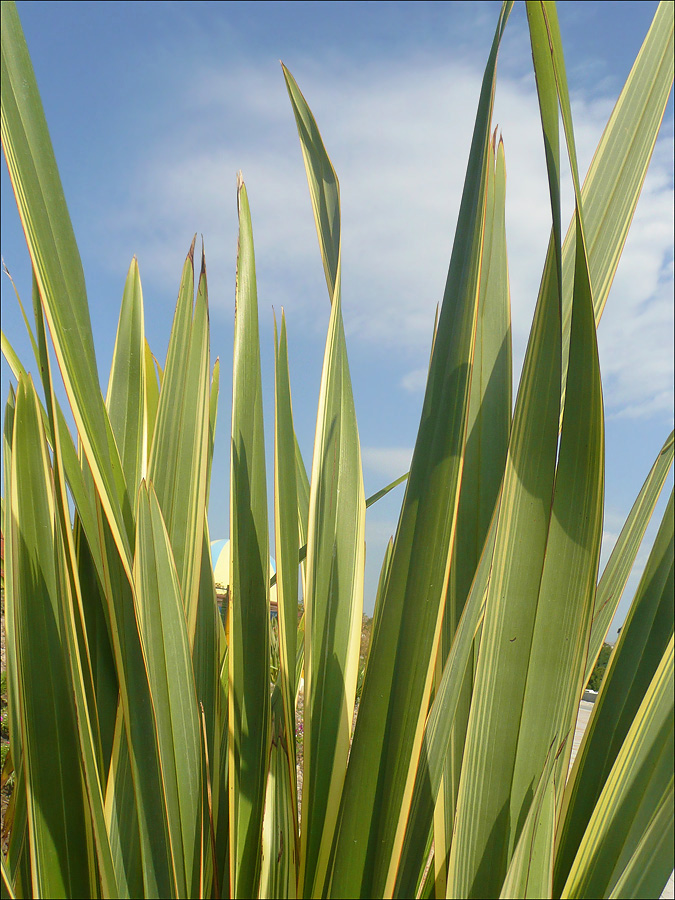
[191,251]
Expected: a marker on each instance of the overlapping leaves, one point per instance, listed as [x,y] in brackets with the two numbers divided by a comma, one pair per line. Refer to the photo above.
[161,759]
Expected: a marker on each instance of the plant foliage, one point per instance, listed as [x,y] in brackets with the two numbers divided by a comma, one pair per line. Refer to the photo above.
[154,754]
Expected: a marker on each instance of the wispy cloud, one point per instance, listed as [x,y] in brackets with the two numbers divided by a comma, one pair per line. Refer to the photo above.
[635,336]
[399,139]
[415,380]
[389,462]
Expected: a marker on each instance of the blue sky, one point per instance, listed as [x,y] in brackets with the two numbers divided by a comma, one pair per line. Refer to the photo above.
[154,107]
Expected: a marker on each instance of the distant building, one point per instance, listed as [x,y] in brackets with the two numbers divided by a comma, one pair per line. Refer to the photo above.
[220,560]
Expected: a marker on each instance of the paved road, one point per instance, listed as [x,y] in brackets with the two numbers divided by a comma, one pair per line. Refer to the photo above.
[585,710]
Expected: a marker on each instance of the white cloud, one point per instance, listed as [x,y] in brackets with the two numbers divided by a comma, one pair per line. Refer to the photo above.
[415,380]
[635,336]
[399,139]
[378,532]
[389,462]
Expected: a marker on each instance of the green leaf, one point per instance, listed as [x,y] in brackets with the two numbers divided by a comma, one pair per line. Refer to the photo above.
[324,188]
[98,646]
[152,387]
[83,494]
[302,486]
[377,609]
[489,425]
[6,884]
[536,563]
[81,487]
[12,672]
[530,872]
[139,714]
[279,862]
[31,336]
[122,816]
[394,702]
[220,778]
[378,495]
[566,596]
[490,402]
[646,875]
[249,653]
[58,269]
[57,829]
[478,859]
[335,542]
[643,640]
[286,531]
[166,647]
[641,777]
[439,726]
[77,637]
[333,604]
[18,851]
[213,417]
[126,401]
[178,461]
[206,653]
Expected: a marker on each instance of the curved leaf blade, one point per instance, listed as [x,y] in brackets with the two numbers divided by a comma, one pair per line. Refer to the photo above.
[57,829]
[126,400]
[166,643]
[58,270]
[178,461]
[286,531]
[646,875]
[249,642]
[395,697]
[642,642]
[335,542]
[641,777]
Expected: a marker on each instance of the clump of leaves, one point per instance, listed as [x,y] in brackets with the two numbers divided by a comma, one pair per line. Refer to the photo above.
[135,777]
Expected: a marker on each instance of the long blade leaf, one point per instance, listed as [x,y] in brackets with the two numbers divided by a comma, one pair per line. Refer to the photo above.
[58,269]
[249,695]
[335,542]
[641,777]
[395,697]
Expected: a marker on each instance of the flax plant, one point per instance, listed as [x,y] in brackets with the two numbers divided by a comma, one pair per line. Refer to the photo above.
[153,754]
